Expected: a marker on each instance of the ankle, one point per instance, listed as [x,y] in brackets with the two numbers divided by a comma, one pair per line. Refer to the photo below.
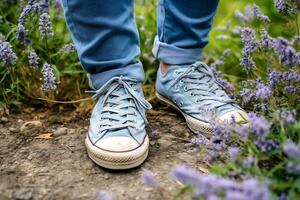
[164,68]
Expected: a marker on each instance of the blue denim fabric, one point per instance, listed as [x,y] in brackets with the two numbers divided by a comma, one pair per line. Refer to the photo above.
[107,41]
[183,28]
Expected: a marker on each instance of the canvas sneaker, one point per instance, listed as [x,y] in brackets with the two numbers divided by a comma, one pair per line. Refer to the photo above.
[117,138]
[194,91]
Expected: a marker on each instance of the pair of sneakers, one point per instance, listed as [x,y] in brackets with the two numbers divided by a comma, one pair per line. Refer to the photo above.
[117,138]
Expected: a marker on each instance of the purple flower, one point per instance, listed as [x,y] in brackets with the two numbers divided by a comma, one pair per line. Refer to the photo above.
[283,197]
[294,167]
[291,80]
[27,11]
[49,79]
[213,154]
[104,196]
[199,140]
[247,95]
[234,153]
[221,131]
[154,133]
[7,55]
[45,25]
[274,78]
[33,59]
[242,131]
[248,161]
[241,17]
[247,62]
[287,54]
[291,76]
[263,91]
[266,41]
[265,145]
[209,186]
[44,6]
[287,116]
[221,60]
[281,6]
[237,30]
[259,125]
[225,84]
[291,149]
[186,175]
[249,12]
[248,38]
[250,46]
[149,179]
[259,14]
[22,32]
[68,48]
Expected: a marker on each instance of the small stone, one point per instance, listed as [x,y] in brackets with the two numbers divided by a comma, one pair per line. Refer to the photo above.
[13,129]
[60,131]
[148,189]
[152,143]
[186,134]
[20,121]
[106,176]
[31,125]
[23,194]
[4,119]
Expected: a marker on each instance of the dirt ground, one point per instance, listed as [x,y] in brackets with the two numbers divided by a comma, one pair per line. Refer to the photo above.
[42,156]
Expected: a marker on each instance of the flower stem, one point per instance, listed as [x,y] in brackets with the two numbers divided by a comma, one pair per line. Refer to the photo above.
[297,25]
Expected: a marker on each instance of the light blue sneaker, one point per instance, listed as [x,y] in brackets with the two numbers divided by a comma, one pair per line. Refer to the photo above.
[194,91]
[117,138]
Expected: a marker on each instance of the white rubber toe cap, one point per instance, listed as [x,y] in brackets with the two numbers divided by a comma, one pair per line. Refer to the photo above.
[118,152]
[117,144]
[240,116]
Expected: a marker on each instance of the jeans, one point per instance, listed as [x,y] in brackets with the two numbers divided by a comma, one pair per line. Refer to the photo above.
[105,35]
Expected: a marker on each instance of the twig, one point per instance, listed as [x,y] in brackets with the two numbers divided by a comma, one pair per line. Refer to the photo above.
[65,102]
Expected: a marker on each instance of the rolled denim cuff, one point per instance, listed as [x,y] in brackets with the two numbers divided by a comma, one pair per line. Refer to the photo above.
[134,71]
[173,55]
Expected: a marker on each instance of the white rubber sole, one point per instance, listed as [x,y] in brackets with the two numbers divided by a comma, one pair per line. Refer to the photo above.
[118,160]
[196,126]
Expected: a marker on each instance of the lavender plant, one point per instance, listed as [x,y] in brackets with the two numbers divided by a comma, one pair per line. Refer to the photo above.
[259,66]
[268,147]
[28,38]
[49,79]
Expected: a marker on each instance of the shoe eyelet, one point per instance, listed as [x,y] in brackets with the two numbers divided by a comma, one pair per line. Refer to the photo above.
[185,88]
[191,94]
[181,81]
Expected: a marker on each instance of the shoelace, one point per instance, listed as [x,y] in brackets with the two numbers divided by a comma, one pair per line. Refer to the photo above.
[201,83]
[119,107]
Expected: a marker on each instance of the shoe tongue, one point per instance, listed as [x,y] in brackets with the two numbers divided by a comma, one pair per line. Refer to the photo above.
[120,90]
